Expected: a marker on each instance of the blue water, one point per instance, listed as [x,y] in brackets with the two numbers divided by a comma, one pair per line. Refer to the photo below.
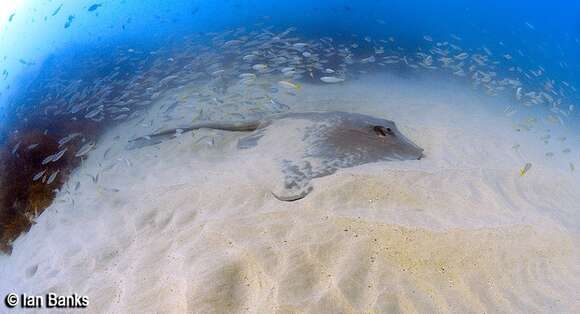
[546,33]
[38,35]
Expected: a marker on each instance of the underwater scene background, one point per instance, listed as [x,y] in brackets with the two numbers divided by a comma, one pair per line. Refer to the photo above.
[104,192]
[536,34]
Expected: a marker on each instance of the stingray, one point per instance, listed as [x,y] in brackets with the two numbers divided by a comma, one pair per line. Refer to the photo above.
[312,144]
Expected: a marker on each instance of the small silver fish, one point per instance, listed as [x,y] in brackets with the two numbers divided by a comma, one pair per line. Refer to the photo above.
[94,113]
[107,152]
[52,177]
[68,138]
[38,175]
[331,79]
[47,159]
[15,149]
[462,56]
[247,76]
[85,149]
[110,190]
[121,117]
[95,178]
[259,67]
[59,155]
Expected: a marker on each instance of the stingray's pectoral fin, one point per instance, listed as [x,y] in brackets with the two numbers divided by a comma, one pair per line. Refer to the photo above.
[292,195]
[297,182]
[294,189]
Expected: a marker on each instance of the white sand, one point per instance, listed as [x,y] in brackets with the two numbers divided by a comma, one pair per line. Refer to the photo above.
[194,228]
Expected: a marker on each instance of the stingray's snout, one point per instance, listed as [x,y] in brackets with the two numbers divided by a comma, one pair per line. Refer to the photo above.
[419,152]
[412,148]
[414,151]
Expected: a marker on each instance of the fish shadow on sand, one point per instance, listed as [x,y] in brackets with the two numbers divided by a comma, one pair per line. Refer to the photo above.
[310,144]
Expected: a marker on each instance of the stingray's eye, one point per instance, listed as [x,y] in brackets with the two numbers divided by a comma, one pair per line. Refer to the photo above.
[382,131]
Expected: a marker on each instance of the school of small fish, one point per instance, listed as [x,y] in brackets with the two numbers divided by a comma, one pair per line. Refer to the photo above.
[273,61]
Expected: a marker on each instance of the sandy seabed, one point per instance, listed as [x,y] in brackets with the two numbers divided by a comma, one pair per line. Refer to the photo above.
[186,226]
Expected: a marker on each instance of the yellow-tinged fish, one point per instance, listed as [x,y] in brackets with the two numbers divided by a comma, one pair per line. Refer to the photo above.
[525,169]
[288,84]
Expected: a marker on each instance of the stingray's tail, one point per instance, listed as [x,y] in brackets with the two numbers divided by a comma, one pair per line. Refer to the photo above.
[239,126]
[157,137]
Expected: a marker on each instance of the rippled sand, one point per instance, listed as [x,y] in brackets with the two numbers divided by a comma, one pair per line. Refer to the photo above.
[190,227]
